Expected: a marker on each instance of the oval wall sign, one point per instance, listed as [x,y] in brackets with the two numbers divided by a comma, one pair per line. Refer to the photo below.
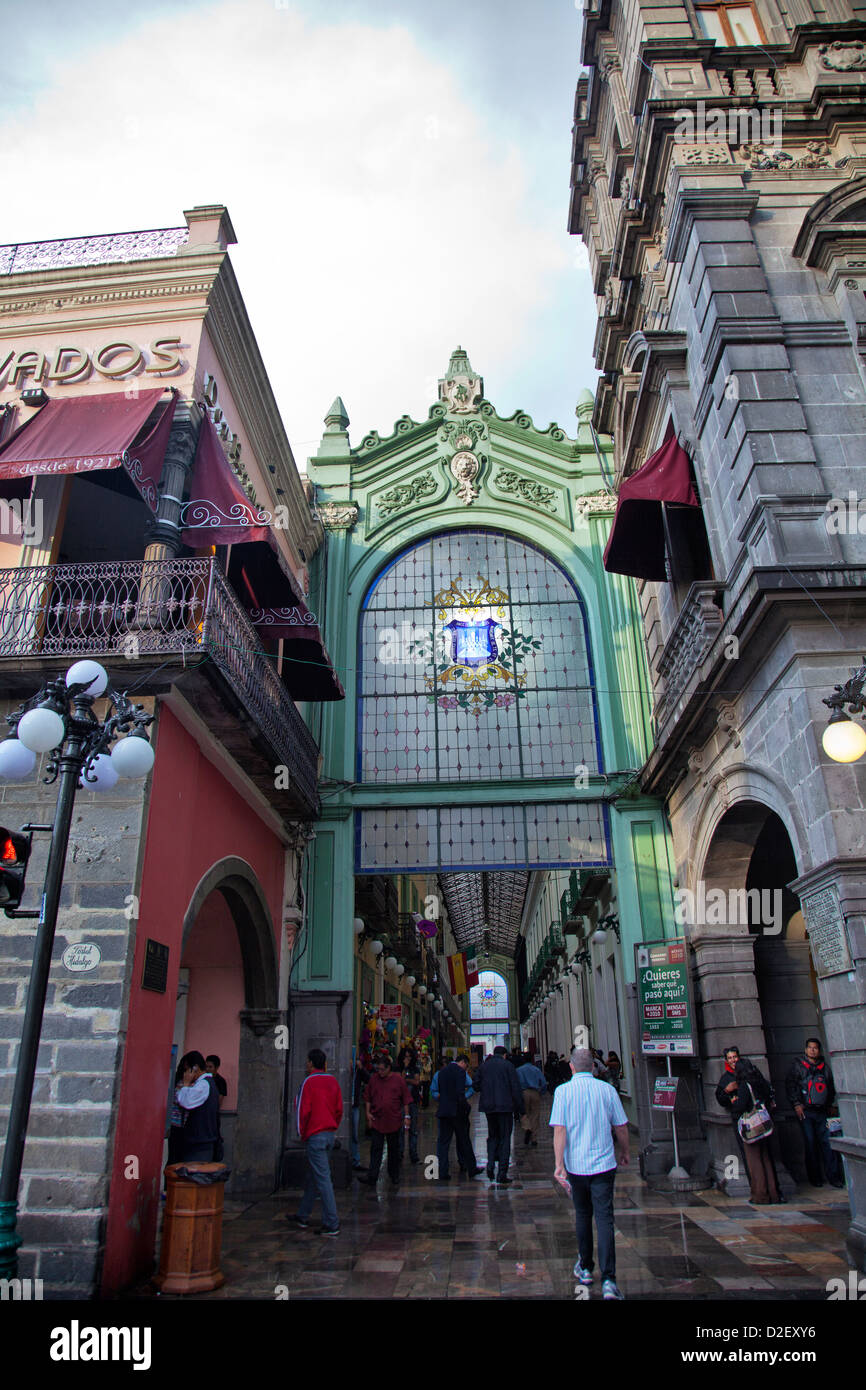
[84,955]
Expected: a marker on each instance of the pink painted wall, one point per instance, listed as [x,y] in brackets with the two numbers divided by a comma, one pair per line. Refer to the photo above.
[195,818]
[216,990]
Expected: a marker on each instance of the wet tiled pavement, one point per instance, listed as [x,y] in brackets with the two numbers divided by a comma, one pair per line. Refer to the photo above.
[471,1239]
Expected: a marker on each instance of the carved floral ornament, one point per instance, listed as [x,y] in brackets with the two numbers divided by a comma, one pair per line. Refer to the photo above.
[338,516]
[845,55]
[595,502]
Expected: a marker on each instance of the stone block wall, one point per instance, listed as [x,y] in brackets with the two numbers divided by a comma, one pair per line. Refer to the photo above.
[67,1157]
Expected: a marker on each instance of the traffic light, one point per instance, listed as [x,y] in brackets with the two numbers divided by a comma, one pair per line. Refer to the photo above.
[14,852]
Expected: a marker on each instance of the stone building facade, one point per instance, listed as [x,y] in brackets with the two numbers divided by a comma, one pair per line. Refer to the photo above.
[183,571]
[719,182]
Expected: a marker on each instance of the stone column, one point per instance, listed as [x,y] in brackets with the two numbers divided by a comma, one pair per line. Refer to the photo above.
[726,1000]
[323,1019]
[262,1062]
[833,897]
[610,68]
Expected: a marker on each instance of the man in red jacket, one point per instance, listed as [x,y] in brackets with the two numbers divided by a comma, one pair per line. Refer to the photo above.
[319,1110]
[387,1099]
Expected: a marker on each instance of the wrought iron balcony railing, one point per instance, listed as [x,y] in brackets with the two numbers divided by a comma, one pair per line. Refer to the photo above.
[135,610]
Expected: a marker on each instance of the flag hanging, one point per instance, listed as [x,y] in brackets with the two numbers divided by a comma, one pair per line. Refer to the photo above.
[457,973]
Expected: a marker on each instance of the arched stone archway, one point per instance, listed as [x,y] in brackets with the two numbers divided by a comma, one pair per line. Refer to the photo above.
[230,890]
[756,987]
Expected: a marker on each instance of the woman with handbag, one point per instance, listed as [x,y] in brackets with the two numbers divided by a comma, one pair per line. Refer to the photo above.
[751,1109]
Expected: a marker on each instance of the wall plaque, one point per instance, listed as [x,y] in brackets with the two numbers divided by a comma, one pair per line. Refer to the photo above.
[81,957]
[827,935]
[155,973]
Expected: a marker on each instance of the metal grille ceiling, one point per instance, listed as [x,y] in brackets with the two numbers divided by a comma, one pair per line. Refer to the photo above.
[485,909]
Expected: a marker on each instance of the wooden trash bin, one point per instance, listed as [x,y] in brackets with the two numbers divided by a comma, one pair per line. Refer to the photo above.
[189,1256]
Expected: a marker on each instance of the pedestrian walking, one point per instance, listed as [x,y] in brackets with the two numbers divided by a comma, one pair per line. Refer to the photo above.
[412,1076]
[551,1072]
[451,1088]
[811,1090]
[501,1099]
[360,1077]
[533,1086]
[426,1066]
[753,1089]
[590,1135]
[387,1100]
[614,1070]
[318,1112]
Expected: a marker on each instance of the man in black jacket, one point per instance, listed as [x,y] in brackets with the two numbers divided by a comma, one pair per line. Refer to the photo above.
[453,1117]
[501,1099]
[810,1090]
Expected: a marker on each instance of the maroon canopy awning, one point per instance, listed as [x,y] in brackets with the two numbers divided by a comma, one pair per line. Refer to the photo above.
[218,511]
[636,545]
[88,434]
[308,671]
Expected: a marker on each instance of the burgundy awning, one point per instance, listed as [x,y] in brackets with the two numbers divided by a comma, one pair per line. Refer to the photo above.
[219,511]
[636,545]
[308,672]
[89,434]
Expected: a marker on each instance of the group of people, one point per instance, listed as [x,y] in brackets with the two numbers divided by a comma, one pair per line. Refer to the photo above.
[587,1117]
[609,1068]
[194,1132]
[590,1129]
[811,1092]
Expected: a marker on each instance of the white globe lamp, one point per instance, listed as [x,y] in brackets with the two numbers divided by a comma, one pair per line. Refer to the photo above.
[41,729]
[17,761]
[90,672]
[132,757]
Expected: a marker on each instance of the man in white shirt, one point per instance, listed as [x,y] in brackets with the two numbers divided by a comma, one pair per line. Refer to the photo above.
[588,1120]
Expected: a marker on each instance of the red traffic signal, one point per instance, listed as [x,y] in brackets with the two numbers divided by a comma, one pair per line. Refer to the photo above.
[14,853]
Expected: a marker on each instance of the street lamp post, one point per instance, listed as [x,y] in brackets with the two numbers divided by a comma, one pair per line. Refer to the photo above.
[60,721]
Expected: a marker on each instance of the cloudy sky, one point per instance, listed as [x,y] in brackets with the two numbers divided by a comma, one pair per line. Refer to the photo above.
[397,172]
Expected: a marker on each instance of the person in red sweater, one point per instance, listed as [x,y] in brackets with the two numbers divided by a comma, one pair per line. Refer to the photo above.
[319,1110]
[387,1099]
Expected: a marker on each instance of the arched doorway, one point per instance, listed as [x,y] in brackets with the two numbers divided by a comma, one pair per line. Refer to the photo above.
[752,860]
[227,1004]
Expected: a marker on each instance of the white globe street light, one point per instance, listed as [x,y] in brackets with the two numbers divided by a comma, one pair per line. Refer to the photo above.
[410,980]
[390,962]
[132,757]
[376,947]
[358,925]
[41,729]
[101,775]
[17,761]
[91,673]
[843,740]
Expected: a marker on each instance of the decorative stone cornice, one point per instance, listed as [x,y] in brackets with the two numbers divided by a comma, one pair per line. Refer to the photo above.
[338,516]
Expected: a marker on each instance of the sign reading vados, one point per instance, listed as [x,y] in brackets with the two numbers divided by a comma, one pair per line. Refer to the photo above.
[665,1014]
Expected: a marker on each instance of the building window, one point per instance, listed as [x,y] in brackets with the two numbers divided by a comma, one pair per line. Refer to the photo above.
[475,666]
[731,26]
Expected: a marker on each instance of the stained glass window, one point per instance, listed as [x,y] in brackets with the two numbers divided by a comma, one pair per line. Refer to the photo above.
[488,1005]
[475,666]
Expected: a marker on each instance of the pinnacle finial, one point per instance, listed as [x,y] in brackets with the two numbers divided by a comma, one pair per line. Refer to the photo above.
[337,420]
[461,387]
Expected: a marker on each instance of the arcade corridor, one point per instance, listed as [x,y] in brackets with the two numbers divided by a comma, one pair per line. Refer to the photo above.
[471,1240]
